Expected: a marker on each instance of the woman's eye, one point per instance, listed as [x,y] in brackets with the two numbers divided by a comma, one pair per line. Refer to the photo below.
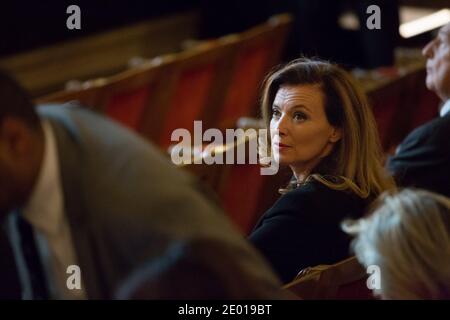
[300,116]
[276,114]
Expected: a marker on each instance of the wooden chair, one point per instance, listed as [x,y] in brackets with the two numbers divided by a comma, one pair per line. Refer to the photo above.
[237,186]
[418,106]
[87,94]
[208,174]
[195,88]
[387,102]
[426,103]
[240,185]
[259,50]
[345,280]
[127,97]
[393,99]
[130,96]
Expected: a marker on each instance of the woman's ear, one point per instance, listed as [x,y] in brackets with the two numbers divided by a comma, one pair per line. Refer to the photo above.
[336,135]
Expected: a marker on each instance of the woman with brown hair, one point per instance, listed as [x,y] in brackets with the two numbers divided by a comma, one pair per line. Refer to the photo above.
[321,126]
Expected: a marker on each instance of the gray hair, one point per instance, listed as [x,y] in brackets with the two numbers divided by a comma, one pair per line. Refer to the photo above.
[408,237]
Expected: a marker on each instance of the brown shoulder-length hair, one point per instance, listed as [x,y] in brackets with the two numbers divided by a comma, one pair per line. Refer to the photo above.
[355,162]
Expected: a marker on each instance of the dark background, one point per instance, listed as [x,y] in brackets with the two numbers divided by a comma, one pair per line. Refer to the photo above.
[27,25]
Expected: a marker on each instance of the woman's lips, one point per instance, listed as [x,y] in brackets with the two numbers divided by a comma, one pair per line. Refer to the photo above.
[282,145]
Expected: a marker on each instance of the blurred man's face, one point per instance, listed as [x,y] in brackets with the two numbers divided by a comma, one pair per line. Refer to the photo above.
[437,53]
[21,152]
[7,184]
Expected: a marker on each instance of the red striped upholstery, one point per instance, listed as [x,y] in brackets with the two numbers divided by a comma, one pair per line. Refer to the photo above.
[127,107]
[241,195]
[188,100]
[426,107]
[385,112]
[242,97]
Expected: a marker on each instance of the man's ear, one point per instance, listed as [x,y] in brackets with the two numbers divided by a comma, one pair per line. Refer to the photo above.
[336,135]
[16,136]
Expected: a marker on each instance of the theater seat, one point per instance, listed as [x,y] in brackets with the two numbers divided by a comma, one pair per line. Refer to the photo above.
[345,280]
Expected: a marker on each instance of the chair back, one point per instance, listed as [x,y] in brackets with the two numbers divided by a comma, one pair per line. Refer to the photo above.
[345,280]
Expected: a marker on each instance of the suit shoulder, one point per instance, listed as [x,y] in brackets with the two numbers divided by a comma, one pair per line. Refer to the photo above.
[63,110]
[436,130]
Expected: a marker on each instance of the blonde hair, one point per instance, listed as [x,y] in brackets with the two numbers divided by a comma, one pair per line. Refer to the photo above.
[355,162]
[408,237]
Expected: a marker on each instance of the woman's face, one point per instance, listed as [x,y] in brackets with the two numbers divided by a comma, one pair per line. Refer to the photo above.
[304,134]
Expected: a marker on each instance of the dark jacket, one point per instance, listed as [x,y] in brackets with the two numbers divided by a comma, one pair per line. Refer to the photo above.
[423,158]
[303,228]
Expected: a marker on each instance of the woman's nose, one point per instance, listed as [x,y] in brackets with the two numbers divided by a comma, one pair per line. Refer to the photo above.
[282,125]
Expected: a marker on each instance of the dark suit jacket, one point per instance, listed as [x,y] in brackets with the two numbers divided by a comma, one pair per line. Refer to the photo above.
[423,158]
[303,229]
[126,204]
